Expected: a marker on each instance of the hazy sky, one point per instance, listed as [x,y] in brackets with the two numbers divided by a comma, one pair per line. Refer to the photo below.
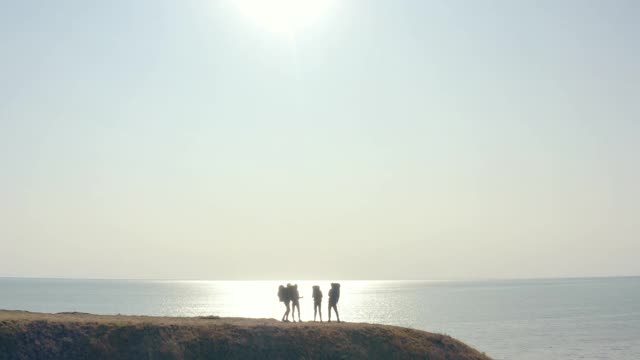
[361,139]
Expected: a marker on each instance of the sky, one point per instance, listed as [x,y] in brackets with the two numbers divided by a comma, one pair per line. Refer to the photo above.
[342,139]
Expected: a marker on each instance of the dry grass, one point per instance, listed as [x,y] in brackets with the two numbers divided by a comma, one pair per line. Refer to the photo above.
[26,335]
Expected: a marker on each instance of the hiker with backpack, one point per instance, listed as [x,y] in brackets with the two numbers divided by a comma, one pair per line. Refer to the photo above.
[317,302]
[334,296]
[295,300]
[283,296]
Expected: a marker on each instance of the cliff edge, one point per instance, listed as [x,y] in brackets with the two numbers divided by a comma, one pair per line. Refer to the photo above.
[27,335]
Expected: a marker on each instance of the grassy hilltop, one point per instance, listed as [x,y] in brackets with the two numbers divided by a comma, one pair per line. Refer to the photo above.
[26,335]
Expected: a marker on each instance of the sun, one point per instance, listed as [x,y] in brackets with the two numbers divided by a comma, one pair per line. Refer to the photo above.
[284,16]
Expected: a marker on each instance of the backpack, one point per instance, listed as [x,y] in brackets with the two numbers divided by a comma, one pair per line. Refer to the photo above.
[282,293]
[317,294]
[334,293]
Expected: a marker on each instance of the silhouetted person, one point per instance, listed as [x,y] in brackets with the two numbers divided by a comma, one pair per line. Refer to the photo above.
[295,299]
[317,302]
[334,296]
[283,295]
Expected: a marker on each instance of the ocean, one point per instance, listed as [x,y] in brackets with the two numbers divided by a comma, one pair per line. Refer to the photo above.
[591,318]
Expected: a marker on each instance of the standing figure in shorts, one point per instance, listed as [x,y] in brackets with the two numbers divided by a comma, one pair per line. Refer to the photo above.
[295,300]
[317,302]
[283,296]
[334,296]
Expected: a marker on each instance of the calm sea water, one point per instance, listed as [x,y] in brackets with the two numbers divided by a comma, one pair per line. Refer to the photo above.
[530,319]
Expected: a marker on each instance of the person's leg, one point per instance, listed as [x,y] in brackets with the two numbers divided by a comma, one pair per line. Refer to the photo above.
[293,312]
[335,307]
[288,310]
[320,311]
[286,313]
[329,311]
[298,305]
[315,311]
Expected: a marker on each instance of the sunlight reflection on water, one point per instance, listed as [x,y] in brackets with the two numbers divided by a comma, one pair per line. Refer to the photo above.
[259,299]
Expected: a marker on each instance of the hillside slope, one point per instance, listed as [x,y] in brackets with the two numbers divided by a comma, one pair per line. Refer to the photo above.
[26,335]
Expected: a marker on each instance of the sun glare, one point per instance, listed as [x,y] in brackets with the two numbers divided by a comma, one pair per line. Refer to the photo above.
[284,16]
